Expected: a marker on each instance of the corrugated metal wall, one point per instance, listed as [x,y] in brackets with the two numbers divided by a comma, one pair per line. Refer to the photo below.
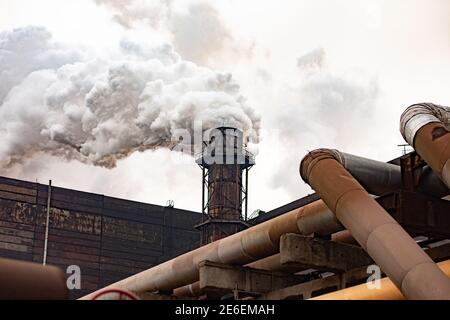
[110,239]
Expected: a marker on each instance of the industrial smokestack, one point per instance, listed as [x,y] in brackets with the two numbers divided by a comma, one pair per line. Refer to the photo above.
[225,165]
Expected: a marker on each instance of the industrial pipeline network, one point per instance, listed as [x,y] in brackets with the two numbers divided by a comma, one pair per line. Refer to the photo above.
[368,213]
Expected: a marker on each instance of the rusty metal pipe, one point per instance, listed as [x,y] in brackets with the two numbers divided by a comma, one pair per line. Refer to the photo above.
[426,128]
[272,263]
[386,291]
[398,255]
[250,245]
[379,178]
[30,281]
[253,244]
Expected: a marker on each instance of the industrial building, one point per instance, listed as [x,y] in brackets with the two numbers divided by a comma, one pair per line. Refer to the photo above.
[365,215]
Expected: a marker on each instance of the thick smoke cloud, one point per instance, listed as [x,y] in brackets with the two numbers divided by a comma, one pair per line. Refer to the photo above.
[312,60]
[26,50]
[99,110]
[196,28]
[129,12]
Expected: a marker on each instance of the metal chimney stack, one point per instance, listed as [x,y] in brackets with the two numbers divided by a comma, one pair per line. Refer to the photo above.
[225,164]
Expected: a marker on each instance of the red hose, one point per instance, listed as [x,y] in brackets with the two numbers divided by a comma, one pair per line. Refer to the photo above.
[121,293]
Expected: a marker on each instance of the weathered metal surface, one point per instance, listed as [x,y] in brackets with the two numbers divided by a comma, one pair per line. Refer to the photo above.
[70,220]
[307,252]
[130,230]
[12,211]
[108,238]
[225,199]
[418,213]
[224,161]
[378,233]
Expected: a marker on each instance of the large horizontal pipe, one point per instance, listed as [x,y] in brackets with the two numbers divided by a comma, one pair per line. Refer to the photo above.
[426,128]
[272,263]
[379,178]
[386,290]
[398,255]
[29,281]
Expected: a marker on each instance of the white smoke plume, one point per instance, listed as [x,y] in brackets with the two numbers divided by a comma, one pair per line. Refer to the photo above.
[99,110]
[196,28]
[314,59]
[333,110]
[129,12]
[26,50]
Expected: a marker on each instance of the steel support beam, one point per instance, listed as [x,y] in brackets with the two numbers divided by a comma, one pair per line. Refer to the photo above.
[418,214]
[314,253]
[220,279]
[306,290]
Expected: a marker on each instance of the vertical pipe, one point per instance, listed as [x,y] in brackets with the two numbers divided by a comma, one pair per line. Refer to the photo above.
[398,255]
[49,197]
[203,193]
[426,127]
[246,195]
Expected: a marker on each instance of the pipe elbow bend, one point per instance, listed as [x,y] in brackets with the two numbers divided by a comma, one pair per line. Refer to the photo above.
[314,157]
[419,115]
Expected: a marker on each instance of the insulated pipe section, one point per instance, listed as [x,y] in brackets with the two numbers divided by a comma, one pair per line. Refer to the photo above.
[426,128]
[272,263]
[386,290]
[379,178]
[376,177]
[29,281]
[398,255]
[250,245]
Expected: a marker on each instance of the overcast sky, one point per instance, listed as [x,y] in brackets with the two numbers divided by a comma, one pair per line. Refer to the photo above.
[319,73]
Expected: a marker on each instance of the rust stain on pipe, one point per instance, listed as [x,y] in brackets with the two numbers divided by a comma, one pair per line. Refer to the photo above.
[250,245]
[398,255]
[387,290]
[29,281]
[272,263]
[426,128]
[255,243]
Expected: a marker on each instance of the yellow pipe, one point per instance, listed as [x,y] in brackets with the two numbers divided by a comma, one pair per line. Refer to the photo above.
[387,290]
